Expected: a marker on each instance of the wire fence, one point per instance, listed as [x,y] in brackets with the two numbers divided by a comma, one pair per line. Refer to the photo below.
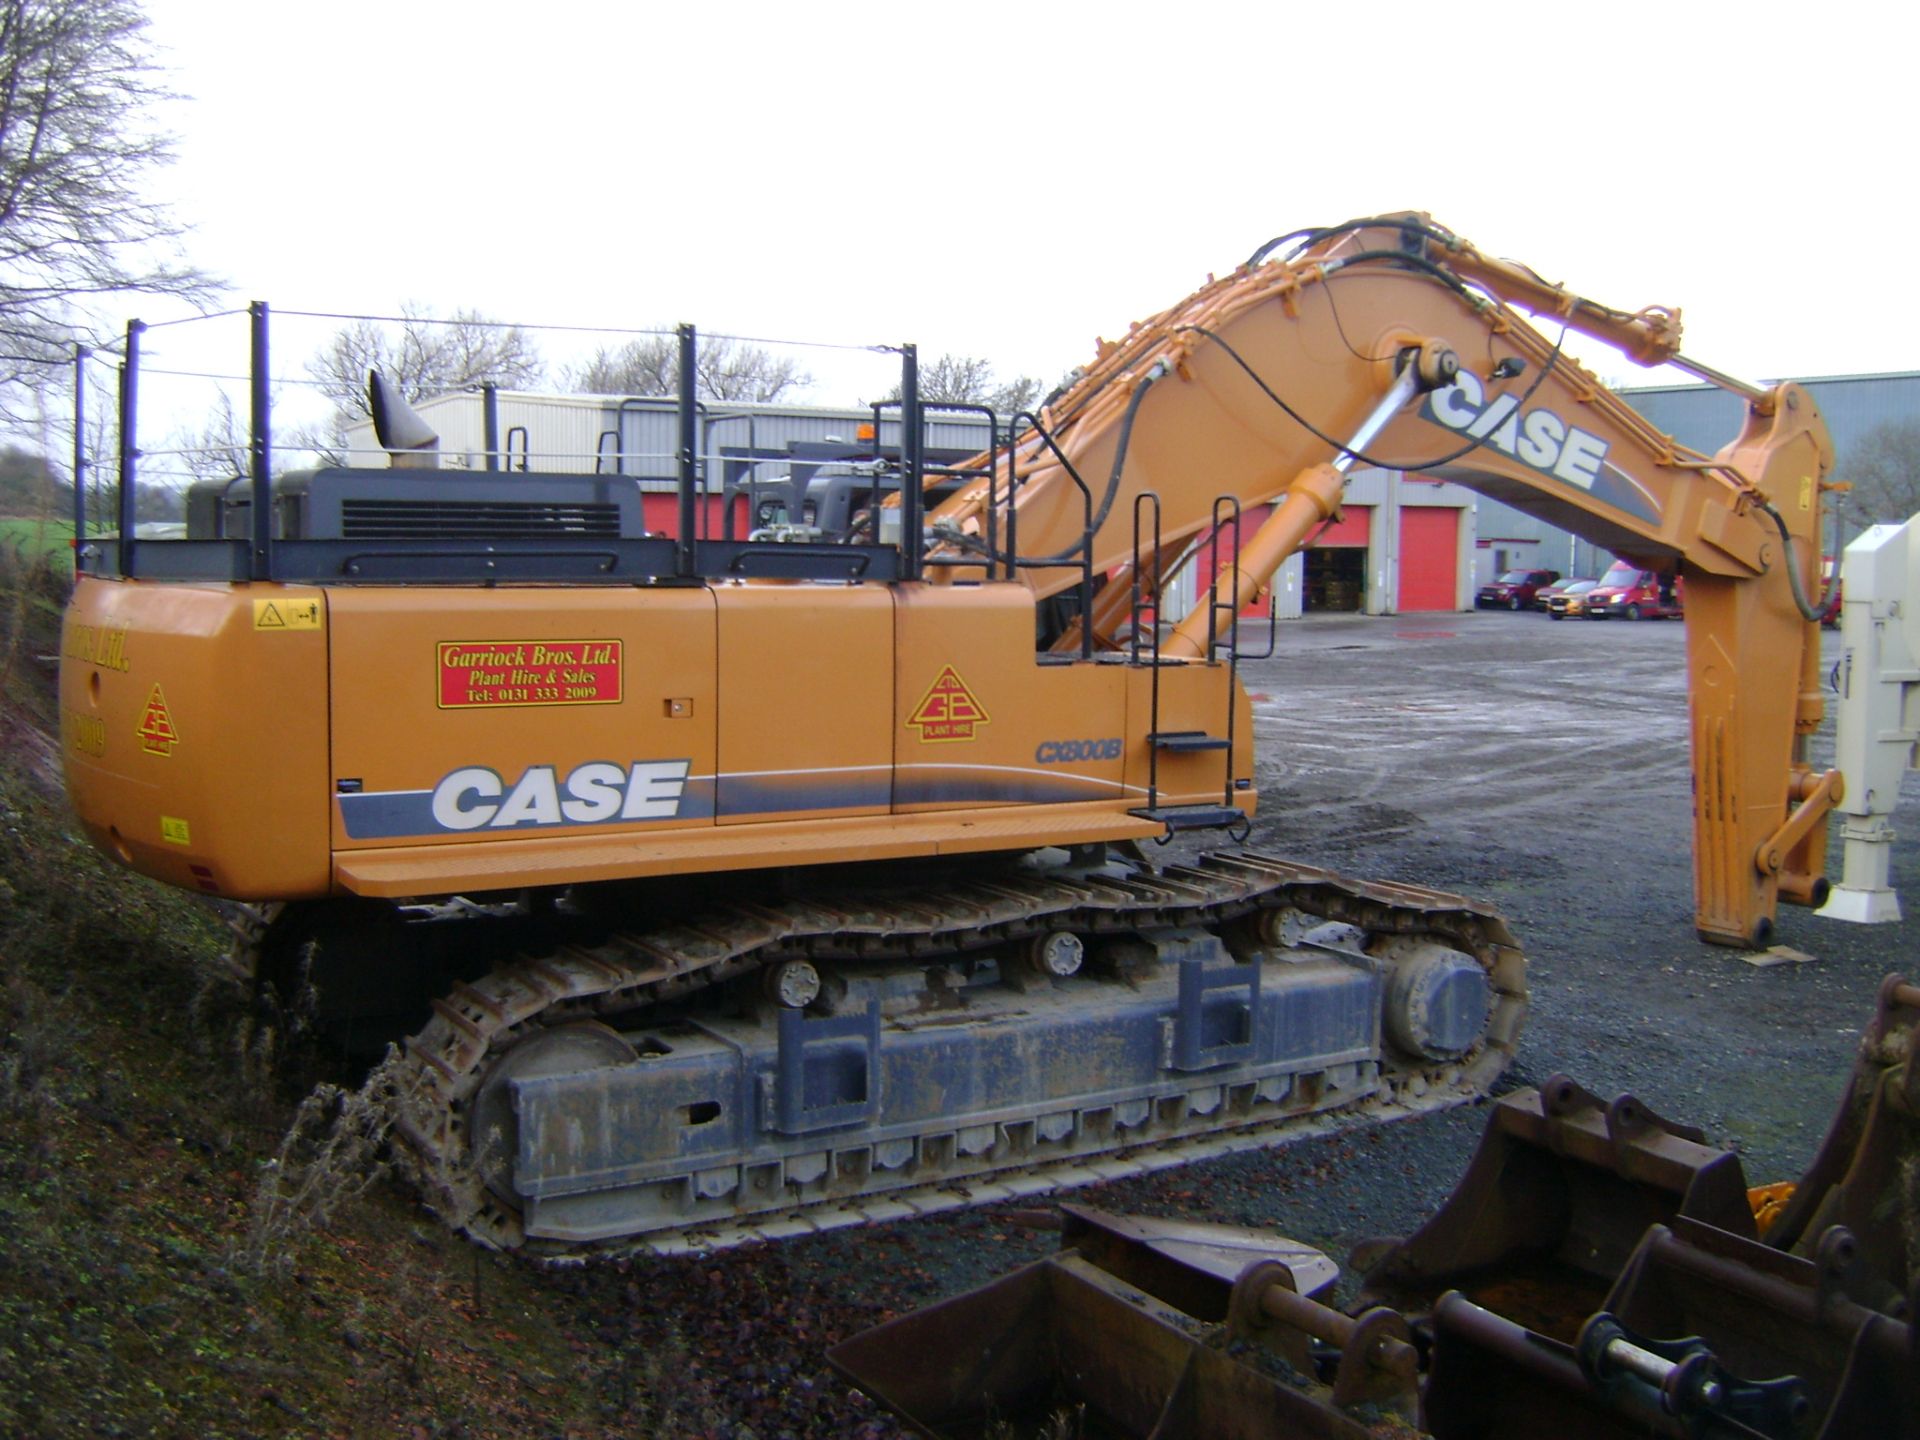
[193,410]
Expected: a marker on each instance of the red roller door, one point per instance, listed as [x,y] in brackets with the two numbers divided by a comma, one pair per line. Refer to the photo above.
[1353,528]
[1429,558]
[660,513]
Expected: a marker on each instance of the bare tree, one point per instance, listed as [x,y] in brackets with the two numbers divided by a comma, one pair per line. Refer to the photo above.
[1885,470]
[77,87]
[424,355]
[650,366]
[221,447]
[218,450]
[725,370]
[968,380]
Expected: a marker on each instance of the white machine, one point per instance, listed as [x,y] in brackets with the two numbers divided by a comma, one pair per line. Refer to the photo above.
[1877,728]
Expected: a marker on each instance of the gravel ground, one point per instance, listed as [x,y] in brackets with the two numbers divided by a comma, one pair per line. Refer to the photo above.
[1541,767]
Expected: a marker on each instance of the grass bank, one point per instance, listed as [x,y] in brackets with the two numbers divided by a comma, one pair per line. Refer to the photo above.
[190,1251]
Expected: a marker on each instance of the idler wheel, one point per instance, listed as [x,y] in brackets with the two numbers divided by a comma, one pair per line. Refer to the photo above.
[1437,999]
[1056,955]
[493,1126]
[792,984]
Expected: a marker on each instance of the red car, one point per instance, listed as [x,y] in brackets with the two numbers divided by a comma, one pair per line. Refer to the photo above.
[1633,594]
[1514,590]
[1543,598]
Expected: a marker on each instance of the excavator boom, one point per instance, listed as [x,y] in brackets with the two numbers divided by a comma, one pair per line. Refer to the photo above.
[1268,386]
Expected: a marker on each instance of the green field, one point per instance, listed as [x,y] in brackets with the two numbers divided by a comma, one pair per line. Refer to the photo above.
[35,536]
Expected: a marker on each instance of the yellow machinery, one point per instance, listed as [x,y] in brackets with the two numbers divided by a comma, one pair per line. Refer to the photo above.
[746,887]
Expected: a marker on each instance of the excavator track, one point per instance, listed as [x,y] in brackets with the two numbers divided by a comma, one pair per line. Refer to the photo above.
[466,1110]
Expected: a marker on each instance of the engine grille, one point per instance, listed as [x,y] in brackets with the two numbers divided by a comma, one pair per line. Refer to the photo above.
[411,519]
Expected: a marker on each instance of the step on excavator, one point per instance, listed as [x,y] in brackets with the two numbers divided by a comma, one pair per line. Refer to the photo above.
[722,888]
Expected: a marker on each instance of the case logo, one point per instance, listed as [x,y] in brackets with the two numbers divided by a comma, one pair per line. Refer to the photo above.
[156,732]
[948,710]
[591,794]
[1537,438]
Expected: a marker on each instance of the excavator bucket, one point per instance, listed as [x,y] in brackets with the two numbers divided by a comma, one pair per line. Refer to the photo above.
[1189,1264]
[1559,1192]
[1089,1341]
[1773,1346]
[1866,1175]
[1597,1275]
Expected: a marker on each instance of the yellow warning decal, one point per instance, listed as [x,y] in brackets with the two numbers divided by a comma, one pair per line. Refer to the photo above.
[284,614]
[156,732]
[948,711]
[174,831]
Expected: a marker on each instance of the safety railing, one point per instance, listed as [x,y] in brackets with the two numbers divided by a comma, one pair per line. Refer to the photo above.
[266,543]
[1144,620]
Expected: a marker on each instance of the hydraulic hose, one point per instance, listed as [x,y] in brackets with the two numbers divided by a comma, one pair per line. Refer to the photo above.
[1156,372]
[1807,611]
[1339,445]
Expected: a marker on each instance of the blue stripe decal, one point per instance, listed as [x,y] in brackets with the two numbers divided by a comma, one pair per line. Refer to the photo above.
[968,786]
[405,814]
[778,794]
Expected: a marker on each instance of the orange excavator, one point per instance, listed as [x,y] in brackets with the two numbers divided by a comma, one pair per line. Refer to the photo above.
[730,888]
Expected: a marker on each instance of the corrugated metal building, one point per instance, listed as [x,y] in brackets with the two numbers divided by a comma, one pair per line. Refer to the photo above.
[1854,406]
[1704,416]
[740,443]
[626,435]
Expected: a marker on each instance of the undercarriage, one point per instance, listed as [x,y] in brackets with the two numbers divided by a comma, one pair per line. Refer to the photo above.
[866,1052]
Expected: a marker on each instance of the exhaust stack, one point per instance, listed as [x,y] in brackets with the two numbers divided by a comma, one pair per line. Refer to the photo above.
[410,442]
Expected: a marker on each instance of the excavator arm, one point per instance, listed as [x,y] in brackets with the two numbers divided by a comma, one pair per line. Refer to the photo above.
[1392,343]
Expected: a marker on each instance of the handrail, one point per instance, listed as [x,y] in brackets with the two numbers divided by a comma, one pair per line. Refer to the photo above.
[1232,505]
[259,444]
[129,452]
[80,353]
[1135,615]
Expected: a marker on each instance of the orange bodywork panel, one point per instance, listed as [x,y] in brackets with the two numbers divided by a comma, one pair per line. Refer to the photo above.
[977,721]
[453,723]
[194,729]
[806,702]
[435,740]
[756,725]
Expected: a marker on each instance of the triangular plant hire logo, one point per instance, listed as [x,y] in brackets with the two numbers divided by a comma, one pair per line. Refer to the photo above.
[156,732]
[948,710]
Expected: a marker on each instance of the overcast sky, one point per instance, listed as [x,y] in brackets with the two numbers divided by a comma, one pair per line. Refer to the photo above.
[1012,181]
